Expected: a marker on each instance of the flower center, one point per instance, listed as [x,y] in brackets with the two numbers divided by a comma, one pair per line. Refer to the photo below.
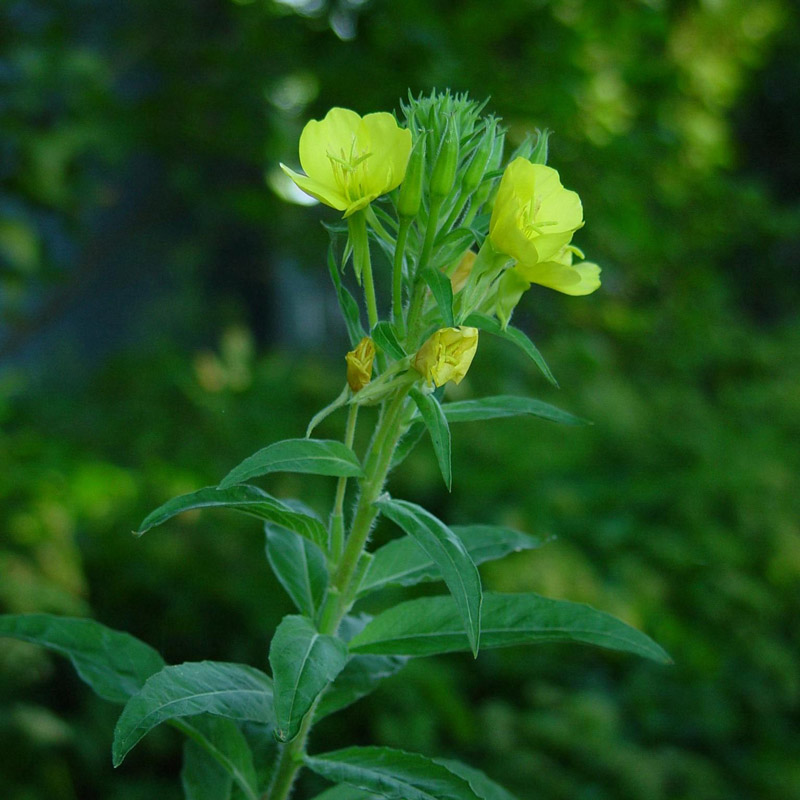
[528,223]
[349,171]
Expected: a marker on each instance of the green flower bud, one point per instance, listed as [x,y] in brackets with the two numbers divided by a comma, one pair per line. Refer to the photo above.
[444,170]
[480,159]
[539,154]
[410,198]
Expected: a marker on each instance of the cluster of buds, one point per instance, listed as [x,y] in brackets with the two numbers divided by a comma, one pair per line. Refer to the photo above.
[464,237]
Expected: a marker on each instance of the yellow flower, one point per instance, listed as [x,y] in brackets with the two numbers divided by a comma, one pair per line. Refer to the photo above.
[447,355]
[350,160]
[461,274]
[359,364]
[534,216]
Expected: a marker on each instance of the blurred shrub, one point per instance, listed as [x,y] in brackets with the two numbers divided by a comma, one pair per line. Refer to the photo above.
[134,146]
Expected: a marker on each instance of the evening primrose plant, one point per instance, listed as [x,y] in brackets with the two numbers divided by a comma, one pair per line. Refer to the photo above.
[464,234]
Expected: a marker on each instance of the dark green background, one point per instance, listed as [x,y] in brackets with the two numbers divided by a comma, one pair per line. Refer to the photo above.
[163,314]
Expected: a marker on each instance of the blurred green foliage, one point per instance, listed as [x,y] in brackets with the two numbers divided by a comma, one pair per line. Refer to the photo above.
[138,145]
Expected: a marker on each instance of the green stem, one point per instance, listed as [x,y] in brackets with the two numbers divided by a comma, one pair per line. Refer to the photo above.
[337,518]
[357,225]
[418,299]
[376,470]
[340,596]
[397,277]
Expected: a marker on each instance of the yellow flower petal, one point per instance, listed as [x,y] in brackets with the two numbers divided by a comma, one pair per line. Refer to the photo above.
[572,279]
[319,191]
[390,146]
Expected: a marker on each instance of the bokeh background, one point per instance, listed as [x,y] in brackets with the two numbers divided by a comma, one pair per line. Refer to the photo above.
[164,312]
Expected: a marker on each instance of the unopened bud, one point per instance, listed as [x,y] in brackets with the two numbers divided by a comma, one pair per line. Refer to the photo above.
[447,355]
[444,170]
[480,158]
[410,198]
[359,364]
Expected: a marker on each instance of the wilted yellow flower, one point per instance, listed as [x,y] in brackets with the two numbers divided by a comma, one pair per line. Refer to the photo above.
[447,355]
[359,364]
[350,160]
[461,274]
[534,216]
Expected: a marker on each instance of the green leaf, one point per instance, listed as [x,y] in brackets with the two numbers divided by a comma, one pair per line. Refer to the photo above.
[361,675]
[449,554]
[115,665]
[247,499]
[391,773]
[299,565]
[303,663]
[220,740]
[385,338]
[436,423]
[491,325]
[312,456]
[202,777]
[433,625]
[442,291]
[347,304]
[507,406]
[235,691]
[408,442]
[345,792]
[483,786]
[404,562]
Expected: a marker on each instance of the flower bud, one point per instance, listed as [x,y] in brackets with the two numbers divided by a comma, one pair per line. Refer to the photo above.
[480,159]
[539,153]
[359,364]
[410,198]
[447,355]
[462,272]
[444,170]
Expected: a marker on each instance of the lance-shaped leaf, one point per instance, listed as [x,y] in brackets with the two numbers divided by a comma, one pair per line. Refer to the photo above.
[347,303]
[236,691]
[115,665]
[303,663]
[383,334]
[481,784]
[247,499]
[361,675]
[436,423]
[391,773]
[310,456]
[507,406]
[202,777]
[433,625]
[217,746]
[345,792]
[404,562]
[299,565]
[514,335]
[449,554]
[442,292]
